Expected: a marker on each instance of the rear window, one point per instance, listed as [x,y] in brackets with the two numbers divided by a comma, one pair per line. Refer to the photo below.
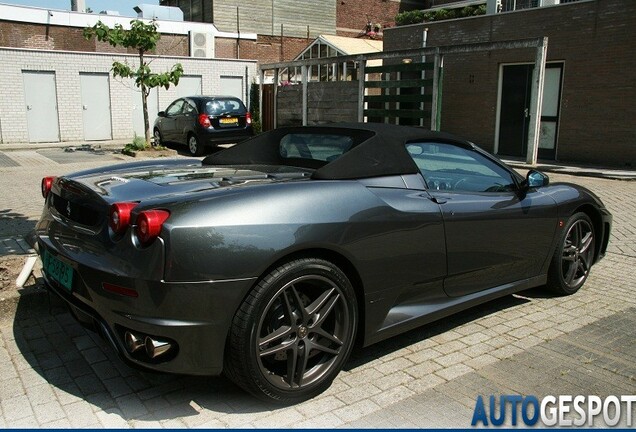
[319,147]
[224,106]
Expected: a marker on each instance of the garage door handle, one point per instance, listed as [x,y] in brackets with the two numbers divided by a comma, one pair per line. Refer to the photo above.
[84,107]
[29,107]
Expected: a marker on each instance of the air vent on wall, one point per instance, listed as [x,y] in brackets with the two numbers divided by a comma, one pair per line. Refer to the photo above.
[201,45]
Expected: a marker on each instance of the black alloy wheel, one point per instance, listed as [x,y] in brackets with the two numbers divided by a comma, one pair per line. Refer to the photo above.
[294,332]
[573,257]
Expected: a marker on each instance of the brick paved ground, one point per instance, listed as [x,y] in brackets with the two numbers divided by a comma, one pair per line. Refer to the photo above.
[55,374]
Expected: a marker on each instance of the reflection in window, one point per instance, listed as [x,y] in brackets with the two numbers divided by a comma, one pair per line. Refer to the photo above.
[450,167]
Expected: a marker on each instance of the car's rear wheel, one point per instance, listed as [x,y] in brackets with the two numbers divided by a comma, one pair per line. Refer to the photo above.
[157,137]
[194,146]
[294,332]
[573,257]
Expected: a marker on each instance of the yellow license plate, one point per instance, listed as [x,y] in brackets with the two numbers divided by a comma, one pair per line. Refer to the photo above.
[228,121]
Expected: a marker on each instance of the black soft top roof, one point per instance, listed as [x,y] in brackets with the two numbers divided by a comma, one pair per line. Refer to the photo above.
[378,150]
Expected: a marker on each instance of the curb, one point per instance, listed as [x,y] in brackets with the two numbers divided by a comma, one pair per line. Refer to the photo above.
[94,145]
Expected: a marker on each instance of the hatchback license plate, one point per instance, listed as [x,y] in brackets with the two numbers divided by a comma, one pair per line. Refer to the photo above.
[59,271]
[228,121]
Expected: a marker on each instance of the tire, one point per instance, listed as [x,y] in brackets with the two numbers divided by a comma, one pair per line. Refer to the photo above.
[293,333]
[573,256]
[158,138]
[194,146]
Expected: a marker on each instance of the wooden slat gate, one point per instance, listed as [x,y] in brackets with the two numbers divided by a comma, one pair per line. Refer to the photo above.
[402,93]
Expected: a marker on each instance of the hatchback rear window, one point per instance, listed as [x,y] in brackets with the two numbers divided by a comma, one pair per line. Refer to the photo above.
[224,106]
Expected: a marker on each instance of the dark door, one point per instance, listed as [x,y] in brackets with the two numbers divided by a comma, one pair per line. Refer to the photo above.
[514,117]
[494,235]
[267,112]
[169,122]
[186,121]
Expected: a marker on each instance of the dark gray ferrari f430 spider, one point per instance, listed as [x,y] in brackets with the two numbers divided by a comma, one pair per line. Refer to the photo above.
[268,260]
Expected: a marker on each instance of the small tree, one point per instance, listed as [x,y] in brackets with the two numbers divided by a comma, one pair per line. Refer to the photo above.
[141,37]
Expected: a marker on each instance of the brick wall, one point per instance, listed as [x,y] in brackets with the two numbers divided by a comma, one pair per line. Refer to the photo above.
[67,67]
[38,36]
[352,15]
[595,41]
[266,49]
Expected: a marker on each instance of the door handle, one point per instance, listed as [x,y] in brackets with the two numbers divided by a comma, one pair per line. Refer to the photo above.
[29,107]
[439,200]
[84,107]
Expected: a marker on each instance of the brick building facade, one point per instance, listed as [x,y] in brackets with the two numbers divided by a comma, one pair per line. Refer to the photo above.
[591,41]
[300,25]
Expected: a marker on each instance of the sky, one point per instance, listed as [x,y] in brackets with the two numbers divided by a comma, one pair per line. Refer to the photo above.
[125,7]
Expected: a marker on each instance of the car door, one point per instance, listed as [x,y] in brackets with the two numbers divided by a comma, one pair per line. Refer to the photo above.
[186,121]
[169,122]
[495,234]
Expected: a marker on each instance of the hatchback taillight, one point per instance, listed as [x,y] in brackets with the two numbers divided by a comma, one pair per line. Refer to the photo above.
[248,118]
[47,184]
[119,217]
[149,223]
[204,120]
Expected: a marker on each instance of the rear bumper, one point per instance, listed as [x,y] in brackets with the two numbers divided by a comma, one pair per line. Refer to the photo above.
[213,137]
[193,316]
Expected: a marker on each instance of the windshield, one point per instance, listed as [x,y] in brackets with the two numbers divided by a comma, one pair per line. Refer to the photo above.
[222,106]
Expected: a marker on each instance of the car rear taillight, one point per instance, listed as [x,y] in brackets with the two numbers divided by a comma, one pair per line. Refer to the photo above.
[248,118]
[149,225]
[204,120]
[119,217]
[47,184]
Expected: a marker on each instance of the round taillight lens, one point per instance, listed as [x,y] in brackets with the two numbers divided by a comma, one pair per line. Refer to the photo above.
[149,225]
[248,118]
[119,217]
[47,184]
[204,120]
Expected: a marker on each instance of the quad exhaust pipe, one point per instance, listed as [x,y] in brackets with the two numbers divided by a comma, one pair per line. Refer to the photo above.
[154,347]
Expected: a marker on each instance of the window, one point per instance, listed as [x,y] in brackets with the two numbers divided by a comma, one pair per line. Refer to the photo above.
[188,108]
[224,106]
[175,108]
[319,147]
[450,167]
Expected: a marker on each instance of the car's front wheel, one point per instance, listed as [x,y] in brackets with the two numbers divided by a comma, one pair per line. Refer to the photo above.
[194,146]
[573,257]
[294,332]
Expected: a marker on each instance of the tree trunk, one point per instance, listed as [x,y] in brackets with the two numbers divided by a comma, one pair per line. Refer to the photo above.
[144,101]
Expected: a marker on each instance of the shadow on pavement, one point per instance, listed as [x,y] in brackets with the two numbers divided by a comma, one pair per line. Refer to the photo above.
[15,224]
[183,150]
[372,352]
[80,364]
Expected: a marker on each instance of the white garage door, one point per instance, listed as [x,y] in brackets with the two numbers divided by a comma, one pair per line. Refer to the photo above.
[41,106]
[138,110]
[232,86]
[189,86]
[96,106]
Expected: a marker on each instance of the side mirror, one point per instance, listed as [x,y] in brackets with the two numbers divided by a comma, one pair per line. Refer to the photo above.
[161,114]
[536,179]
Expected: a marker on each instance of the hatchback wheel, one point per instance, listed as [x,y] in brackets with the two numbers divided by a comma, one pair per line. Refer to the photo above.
[196,149]
[294,332]
[573,257]
[157,138]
